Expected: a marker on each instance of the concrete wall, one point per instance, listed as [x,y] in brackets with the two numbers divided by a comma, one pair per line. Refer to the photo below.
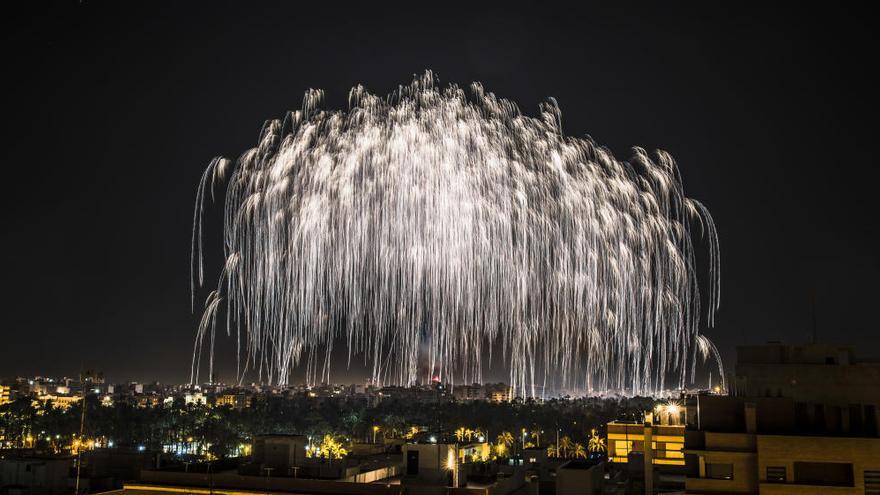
[736,442]
[812,383]
[256,484]
[572,480]
[745,479]
[784,451]
[432,463]
[280,452]
[41,476]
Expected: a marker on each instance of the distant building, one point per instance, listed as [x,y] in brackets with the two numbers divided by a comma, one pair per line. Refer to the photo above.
[195,398]
[235,400]
[5,394]
[149,400]
[468,392]
[498,392]
[803,420]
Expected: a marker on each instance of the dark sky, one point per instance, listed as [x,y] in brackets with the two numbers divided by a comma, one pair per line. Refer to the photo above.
[113,110]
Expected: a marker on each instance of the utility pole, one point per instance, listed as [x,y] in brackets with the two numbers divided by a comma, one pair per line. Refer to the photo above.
[648,456]
[557,442]
[82,425]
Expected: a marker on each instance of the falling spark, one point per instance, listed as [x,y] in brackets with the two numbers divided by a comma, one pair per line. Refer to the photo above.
[436,224]
[706,348]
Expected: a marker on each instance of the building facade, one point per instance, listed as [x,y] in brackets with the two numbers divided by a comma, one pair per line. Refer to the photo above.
[802,420]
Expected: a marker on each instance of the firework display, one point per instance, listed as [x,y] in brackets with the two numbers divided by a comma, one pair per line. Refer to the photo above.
[436,228]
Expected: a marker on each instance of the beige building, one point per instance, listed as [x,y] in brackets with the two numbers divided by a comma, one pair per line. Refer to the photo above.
[803,420]
[664,427]
[766,454]
[817,374]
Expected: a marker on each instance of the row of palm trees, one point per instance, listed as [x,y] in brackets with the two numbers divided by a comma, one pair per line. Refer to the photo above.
[468,434]
[566,447]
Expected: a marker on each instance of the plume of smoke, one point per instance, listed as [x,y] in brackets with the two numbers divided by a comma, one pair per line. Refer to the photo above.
[445,223]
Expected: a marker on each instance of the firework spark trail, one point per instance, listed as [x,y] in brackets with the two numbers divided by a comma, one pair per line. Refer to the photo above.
[451,221]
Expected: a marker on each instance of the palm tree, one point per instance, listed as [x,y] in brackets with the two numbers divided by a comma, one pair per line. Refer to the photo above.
[551,451]
[565,446]
[579,450]
[331,448]
[597,443]
[478,433]
[503,443]
[460,433]
[536,434]
[506,439]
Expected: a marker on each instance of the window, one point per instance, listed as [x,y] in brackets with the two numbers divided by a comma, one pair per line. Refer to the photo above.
[824,473]
[412,462]
[670,450]
[719,471]
[819,418]
[776,474]
[870,420]
[855,418]
[872,482]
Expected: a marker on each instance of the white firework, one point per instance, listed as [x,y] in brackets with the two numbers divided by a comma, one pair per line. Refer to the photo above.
[706,347]
[435,225]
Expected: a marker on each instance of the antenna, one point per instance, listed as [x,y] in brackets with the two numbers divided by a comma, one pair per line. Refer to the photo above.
[813,335]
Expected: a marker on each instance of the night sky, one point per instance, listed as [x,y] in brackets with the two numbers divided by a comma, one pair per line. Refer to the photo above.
[113,110]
